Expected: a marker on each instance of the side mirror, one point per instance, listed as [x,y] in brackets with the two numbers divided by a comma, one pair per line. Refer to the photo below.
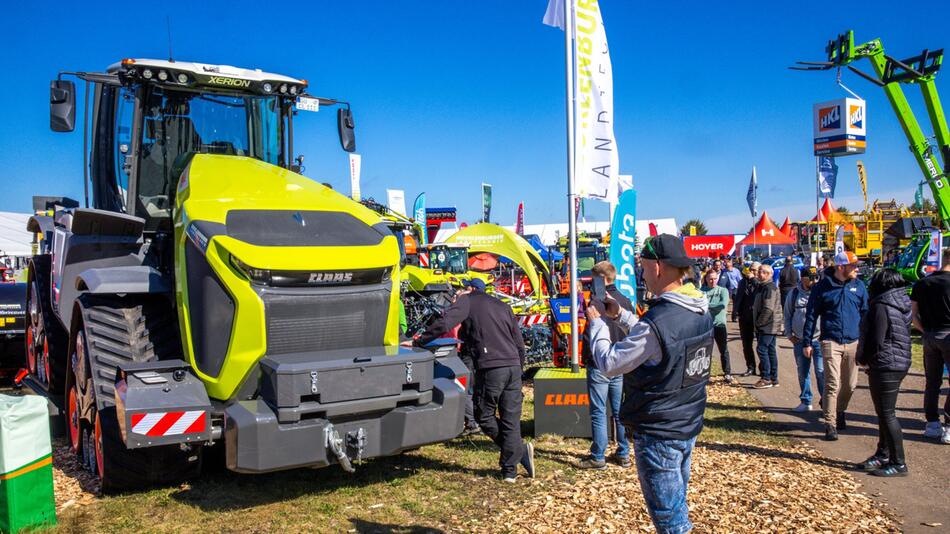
[345,127]
[62,105]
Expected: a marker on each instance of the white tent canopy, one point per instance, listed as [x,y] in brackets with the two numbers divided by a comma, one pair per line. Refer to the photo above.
[15,240]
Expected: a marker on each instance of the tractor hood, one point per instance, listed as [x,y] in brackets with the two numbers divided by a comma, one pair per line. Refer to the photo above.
[269,262]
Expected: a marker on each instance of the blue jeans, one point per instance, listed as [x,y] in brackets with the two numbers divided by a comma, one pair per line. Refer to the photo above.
[804,369]
[663,468]
[601,389]
[768,359]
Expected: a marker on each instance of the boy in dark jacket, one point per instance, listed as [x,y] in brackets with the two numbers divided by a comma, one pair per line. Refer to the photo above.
[885,349]
[768,320]
[840,300]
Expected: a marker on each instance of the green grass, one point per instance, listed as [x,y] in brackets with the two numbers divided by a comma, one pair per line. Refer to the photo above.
[438,487]
[917,352]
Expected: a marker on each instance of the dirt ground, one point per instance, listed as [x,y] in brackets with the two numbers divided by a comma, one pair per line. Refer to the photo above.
[745,478]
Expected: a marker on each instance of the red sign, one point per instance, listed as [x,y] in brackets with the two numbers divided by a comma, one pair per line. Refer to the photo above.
[708,246]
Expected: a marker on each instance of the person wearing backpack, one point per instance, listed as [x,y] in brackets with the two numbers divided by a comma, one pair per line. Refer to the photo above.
[884,349]
[796,304]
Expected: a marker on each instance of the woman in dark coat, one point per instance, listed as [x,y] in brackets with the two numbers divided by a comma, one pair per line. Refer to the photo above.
[884,349]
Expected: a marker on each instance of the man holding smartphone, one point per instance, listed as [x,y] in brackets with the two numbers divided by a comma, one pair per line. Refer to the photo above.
[664,359]
[600,388]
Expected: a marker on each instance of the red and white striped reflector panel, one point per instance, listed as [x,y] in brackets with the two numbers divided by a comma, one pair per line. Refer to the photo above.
[423,259]
[462,382]
[169,423]
[531,320]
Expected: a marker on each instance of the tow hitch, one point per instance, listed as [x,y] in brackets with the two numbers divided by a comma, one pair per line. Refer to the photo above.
[337,445]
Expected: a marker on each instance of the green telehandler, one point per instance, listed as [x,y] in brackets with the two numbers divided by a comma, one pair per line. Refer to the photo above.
[889,74]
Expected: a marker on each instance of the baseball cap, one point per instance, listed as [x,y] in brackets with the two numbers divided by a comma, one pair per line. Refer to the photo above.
[811,273]
[845,258]
[667,249]
[475,283]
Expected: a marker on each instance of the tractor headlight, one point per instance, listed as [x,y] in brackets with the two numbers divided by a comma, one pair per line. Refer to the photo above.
[260,276]
[268,87]
[283,88]
[182,77]
[162,75]
[147,74]
[293,89]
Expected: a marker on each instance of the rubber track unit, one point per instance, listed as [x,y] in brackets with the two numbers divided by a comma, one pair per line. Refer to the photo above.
[132,329]
[125,330]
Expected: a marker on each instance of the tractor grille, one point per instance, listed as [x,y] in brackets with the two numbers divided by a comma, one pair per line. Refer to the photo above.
[313,319]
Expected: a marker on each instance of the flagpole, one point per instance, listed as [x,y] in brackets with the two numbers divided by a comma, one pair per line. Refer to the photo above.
[817,233]
[571,194]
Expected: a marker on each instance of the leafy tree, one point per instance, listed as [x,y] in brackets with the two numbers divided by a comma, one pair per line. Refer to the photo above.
[928,205]
[842,209]
[700,227]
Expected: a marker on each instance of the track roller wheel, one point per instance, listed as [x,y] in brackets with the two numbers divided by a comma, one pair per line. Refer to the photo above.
[73,424]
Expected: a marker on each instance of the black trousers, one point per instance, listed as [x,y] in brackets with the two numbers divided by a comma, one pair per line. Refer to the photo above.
[936,355]
[747,333]
[884,386]
[469,406]
[722,343]
[498,411]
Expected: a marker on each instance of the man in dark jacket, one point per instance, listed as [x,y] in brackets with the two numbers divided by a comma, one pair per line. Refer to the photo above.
[491,334]
[841,301]
[664,360]
[602,389]
[788,278]
[931,313]
[769,323]
[742,308]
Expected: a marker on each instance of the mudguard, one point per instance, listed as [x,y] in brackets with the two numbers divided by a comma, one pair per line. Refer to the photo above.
[123,280]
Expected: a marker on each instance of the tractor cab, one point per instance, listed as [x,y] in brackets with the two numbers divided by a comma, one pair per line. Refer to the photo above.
[150,117]
[451,258]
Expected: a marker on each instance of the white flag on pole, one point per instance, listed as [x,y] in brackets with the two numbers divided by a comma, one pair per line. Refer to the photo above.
[355,163]
[597,161]
[396,200]
[554,15]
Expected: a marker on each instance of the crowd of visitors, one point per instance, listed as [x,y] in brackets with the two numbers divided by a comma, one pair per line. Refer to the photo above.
[647,374]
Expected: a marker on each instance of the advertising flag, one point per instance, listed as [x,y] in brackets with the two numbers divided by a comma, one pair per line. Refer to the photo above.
[933,252]
[355,162]
[827,177]
[597,161]
[419,215]
[486,202]
[863,178]
[396,200]
[519,223]
[751,195]
[554,14]
[623,243]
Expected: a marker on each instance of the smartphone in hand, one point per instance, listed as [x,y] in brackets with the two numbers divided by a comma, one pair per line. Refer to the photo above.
[598,289]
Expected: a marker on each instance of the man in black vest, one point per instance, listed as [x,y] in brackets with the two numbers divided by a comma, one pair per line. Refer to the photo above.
[665,359]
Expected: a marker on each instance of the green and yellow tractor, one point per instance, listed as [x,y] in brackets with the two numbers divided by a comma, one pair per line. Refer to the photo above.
[209,294]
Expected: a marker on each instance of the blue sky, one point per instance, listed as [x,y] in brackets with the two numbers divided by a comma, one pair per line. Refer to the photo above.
[449,94]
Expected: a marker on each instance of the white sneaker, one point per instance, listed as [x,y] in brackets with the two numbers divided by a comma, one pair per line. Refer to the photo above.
[510,480]
[802,408]
[933,430]
[945,437]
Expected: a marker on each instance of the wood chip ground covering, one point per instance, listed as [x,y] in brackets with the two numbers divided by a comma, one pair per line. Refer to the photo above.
[733,488]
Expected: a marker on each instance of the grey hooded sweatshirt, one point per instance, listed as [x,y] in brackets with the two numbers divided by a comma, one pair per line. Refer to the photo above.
[795,305]
[641,346]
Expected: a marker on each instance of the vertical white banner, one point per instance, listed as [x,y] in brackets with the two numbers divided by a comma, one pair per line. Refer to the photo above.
[396,200]
[597,161]
[355,162]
